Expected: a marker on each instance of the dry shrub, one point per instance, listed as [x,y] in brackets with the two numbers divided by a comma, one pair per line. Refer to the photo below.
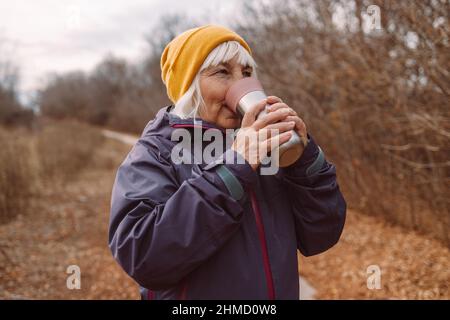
[54,153]
[64,148]
[377,101]
[17,178]
[116,94]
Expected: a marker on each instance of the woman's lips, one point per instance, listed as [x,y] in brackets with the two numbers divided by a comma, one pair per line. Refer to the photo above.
[232,114]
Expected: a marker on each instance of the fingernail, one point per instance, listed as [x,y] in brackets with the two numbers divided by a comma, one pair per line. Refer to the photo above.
[292,123]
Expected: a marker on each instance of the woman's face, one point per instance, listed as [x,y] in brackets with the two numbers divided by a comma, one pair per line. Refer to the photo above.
[214,83]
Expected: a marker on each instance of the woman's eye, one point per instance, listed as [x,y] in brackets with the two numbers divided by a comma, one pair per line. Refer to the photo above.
[222,71]
[226,72]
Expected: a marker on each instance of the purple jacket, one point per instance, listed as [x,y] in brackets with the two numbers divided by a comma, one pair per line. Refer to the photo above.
[219,230]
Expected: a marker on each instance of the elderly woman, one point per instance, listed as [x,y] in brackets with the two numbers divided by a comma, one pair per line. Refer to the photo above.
[219,230]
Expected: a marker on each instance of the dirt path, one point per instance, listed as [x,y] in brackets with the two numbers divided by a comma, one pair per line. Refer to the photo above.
[67,227]
[122,137]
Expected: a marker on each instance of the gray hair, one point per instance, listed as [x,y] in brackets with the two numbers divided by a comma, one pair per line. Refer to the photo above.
[189,103]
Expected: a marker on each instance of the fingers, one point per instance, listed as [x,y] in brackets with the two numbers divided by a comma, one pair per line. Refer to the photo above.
[271,117]
[277,128]
[255,146]
[273,99]
[300,126]
[279,105]
[250,116]
[276,140]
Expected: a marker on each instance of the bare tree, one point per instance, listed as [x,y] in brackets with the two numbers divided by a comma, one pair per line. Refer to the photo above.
[377,99]
[11,110]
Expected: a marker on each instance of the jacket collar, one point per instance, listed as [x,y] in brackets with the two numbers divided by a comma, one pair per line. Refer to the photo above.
[165,122]
[177,122]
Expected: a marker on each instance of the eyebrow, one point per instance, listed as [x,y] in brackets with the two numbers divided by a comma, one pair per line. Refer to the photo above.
[226,64]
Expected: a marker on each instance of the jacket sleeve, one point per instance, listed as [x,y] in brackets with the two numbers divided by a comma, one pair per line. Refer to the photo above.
[159,230]
[318,205]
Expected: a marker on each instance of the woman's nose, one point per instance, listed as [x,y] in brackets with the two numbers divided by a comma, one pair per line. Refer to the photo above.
[236,77]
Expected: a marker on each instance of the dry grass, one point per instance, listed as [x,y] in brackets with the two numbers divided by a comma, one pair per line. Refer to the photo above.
[65,148]
[54,152]
[17,174]
[69,227]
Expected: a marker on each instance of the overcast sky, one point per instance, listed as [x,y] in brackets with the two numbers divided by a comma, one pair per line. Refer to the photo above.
[46,36]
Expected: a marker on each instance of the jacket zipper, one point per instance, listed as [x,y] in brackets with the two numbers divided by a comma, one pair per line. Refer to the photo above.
[262,240]
[259,224]
[183,292]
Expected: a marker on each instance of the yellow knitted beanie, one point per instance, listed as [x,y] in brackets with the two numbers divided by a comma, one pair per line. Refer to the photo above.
[185,54]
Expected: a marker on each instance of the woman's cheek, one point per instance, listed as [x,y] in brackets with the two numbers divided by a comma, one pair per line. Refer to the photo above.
[220,88]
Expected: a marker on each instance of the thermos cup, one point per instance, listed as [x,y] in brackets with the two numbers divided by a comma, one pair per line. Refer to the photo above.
[247,92]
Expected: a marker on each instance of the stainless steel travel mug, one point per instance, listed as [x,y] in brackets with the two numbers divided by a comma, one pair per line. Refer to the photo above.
[247,92]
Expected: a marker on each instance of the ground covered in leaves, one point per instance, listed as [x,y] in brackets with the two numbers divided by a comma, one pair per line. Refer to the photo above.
[412,266]
[68,226]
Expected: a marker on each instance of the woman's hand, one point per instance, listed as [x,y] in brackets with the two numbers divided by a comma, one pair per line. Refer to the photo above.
[258,136]
[277,104]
